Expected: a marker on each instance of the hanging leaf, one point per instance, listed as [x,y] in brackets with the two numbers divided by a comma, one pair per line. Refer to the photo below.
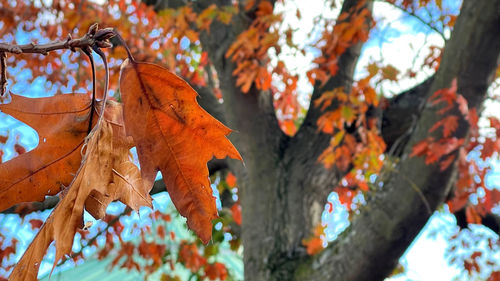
[105,162]
[174,135]
[61,122]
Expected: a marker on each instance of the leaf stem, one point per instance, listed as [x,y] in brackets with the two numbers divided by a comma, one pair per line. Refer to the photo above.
[106,79]
[129,53]
[88,52]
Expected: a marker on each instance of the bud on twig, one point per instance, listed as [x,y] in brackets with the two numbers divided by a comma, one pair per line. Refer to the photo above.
[93,28]
[104,44]
[104,34]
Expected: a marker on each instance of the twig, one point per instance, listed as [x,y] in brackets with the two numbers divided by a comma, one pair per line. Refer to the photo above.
[91,38]
[51,201]
[419,19]
[95,38]
[3,73]
[129,53]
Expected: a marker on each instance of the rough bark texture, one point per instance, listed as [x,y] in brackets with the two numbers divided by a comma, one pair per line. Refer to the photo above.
[261,143]
[284,188]
[281,204]
[370,248]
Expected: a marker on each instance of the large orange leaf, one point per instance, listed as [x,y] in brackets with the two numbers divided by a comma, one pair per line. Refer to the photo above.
[106,172]
[62,123]
[174,135]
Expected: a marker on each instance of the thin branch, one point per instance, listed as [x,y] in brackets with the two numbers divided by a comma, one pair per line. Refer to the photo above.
[396,213]
[88,40]
[95,38]
[3,73]
[420,19]
[124,44]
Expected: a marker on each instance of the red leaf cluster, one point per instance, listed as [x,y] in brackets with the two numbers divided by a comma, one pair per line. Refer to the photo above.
[439,150]
[216,271]
[338,35]
[190,257]
[314,243]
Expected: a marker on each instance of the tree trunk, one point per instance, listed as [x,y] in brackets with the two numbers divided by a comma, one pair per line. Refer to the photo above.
[371,247]
[283,188]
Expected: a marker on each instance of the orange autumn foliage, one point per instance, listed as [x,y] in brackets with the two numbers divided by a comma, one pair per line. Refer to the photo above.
[348,151]
[314,244]
[236,212]
[176,136]
[216,271]
[154,100]
[231,179]
[190,257]
[62,123]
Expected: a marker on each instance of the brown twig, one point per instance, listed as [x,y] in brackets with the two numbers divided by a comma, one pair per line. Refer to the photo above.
[91,38]
[129,53]
[51,201]
[106,79]
[420,19]
[3,73]
[95,38]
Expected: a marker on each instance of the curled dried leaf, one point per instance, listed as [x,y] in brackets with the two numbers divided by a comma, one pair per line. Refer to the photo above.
[105,154]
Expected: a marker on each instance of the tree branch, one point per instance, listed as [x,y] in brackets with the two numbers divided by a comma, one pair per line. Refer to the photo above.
[308,139]
[3,73]
[260,142]
[419,18]
[95,38]
[344,78]
[51,201]
[401,114]
[91,38]
[307,192]
[394,215]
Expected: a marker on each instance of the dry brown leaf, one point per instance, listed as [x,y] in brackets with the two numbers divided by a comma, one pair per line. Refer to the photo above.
[127,182]
[105,158]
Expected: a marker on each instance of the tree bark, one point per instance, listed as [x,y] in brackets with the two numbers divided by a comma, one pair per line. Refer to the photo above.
[260,142]
[280,202]
[371,247]
[283,188]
